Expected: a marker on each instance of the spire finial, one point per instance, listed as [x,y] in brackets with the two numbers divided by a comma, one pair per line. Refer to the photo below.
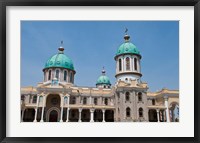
[126,37]
[61,48]
[126,31]
[103,71]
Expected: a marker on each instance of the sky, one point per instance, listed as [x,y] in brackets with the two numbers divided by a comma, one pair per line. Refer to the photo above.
[93,44]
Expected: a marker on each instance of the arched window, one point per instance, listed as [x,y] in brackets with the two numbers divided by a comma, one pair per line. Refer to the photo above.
[139,96]
[44,75]
[153,101]
[65,100]
[95,101]
[84,100]
[65,75]
[49,76]
[71,77]
[127,63]
[135,63]
[128,112]
[57,74]
[120,64]
[106,101]
[127,96]
[34,99]
[140,112]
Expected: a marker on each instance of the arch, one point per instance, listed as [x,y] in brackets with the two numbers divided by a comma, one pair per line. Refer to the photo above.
[73,100]
[140,112]
[34,99]
[135,63]
[65,75]
[71,77]
[174,112]
[49,111]
[85,100]
[49,75]
[153,102]
[128,112]
[120,64]
[127,63]
[95,101]
[127,96]
[49,95]
[106,101]
[139,96]
[57,73]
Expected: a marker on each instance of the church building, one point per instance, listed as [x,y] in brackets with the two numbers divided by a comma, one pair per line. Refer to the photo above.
[58,99]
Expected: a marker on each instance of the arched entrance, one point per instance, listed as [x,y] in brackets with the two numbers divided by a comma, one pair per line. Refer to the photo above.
[109,116]
[153,115]
[53,117]
[53,108]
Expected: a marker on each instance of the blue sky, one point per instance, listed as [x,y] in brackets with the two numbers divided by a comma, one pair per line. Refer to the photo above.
[93,44]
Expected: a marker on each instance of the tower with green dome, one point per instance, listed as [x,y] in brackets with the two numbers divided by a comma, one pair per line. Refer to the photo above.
[59,67]
[103,81]
[127,60]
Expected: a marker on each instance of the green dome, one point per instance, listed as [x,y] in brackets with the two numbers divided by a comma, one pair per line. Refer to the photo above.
[103,79]
[127,48]
[60,60]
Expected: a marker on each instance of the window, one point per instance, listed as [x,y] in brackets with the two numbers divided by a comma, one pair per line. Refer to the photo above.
[140,112]
[84,100]
[34,99]
[49,77]
[73,101]
[127,63]
[153,101]
[106,101]
[95,101]
[57,74]
[135,63]
[40,99]
[65,100]
[71,77]
[120,64]
[139,96]
[65,75]
[22,97]
[104,86]
[128,110]
[127,96]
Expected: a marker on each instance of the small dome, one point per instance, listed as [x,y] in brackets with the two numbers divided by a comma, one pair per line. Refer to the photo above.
[103,79]
[127,47]
[59,60]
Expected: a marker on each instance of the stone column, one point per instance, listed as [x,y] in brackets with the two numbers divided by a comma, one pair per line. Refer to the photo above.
[167,108]
[36,109]
[80,110]
[61,113]
[42,114]
[67,118]
[158,115]
[22,116]
[103,110]
[91,115]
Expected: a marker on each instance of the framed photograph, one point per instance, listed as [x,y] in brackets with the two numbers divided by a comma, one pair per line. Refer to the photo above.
[79,71]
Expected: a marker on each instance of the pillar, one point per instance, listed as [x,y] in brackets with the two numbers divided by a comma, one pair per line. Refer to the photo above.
[158,116]
[80,110]
[61,113]
[35,120]
[167,108]
[103,110]
[42,114]
[67,118]
[91,115]
[22,116]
